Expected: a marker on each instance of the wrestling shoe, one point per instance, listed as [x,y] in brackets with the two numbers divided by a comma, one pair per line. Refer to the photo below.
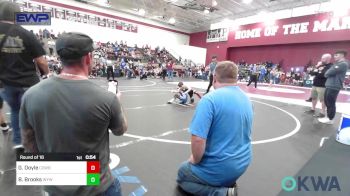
[4,128]
[308,100]
[19,148]
[326,120]
[232,191]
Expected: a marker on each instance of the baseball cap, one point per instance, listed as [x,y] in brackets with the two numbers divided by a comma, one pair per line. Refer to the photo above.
[73,46]
[8,10]
[343,52]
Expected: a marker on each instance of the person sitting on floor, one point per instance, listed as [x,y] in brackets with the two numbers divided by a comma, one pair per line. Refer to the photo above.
[179,97]
[182,94]
[188,90]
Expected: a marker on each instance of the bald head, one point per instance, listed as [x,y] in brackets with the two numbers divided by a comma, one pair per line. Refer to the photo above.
[326,58]
[226,72]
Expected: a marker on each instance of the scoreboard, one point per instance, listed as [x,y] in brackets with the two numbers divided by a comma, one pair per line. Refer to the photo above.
[217,35]
[58,169]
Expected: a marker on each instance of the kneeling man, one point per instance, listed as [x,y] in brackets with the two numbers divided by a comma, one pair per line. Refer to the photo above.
[220,137]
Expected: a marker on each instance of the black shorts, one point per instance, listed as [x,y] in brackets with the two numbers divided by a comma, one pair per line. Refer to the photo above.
[190,93]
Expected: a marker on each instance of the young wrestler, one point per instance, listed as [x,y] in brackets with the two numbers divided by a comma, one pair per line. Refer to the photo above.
[183,93]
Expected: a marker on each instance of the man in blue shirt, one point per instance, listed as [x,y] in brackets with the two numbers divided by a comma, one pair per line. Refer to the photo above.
[212,66]
[221,137]
[262,73]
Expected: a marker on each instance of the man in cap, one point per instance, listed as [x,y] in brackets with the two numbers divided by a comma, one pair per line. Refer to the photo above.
[334,83]
[20,53]
[71,114]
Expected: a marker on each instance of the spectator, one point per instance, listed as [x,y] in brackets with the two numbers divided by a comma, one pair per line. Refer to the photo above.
[221,137]
[253,76]
[170,69]
[110,71]
[262,73]
[318,87]
[335,79]
[20,53]
[46,34]
[71,114]
[51,44]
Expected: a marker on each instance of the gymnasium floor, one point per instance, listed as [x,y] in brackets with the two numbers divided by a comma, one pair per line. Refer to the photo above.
[146,159]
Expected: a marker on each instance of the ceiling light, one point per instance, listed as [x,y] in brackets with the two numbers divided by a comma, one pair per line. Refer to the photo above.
[234,26]
[262,14]
[269,21]
[340,7]
[340,12]
[214,3]
[341,3]
[142,12]
[231,24]
[267,18]
[172,20]
[206,11]
[104,3]
[227,21]
[247,1]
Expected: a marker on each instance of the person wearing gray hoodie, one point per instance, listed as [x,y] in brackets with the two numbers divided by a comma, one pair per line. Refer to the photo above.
[335,79]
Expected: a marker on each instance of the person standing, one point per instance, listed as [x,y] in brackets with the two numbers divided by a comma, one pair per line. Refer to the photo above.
[253,76]
[334,83]
[272,75]
[51,45]
[20,53]
[170,69]
[318,87]
[262,73]
[164,70]
[220,137]
[70,114]
[212,66]
[110,71]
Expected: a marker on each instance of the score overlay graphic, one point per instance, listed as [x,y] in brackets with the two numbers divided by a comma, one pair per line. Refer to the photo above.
[58,169]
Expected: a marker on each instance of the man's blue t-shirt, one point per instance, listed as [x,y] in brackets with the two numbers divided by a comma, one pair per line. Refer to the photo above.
[224,118]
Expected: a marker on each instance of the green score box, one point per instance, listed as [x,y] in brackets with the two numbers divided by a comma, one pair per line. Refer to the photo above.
[93,179]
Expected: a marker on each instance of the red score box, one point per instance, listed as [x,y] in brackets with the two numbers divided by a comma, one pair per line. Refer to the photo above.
[93,167]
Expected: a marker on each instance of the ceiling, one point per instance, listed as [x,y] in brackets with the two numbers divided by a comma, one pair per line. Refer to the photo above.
[194,19]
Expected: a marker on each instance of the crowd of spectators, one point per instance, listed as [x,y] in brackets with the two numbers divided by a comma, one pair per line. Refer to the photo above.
[134,61]
[268,72]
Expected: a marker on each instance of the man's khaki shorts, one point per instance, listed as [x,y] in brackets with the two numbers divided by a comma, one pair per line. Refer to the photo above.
[318,93]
